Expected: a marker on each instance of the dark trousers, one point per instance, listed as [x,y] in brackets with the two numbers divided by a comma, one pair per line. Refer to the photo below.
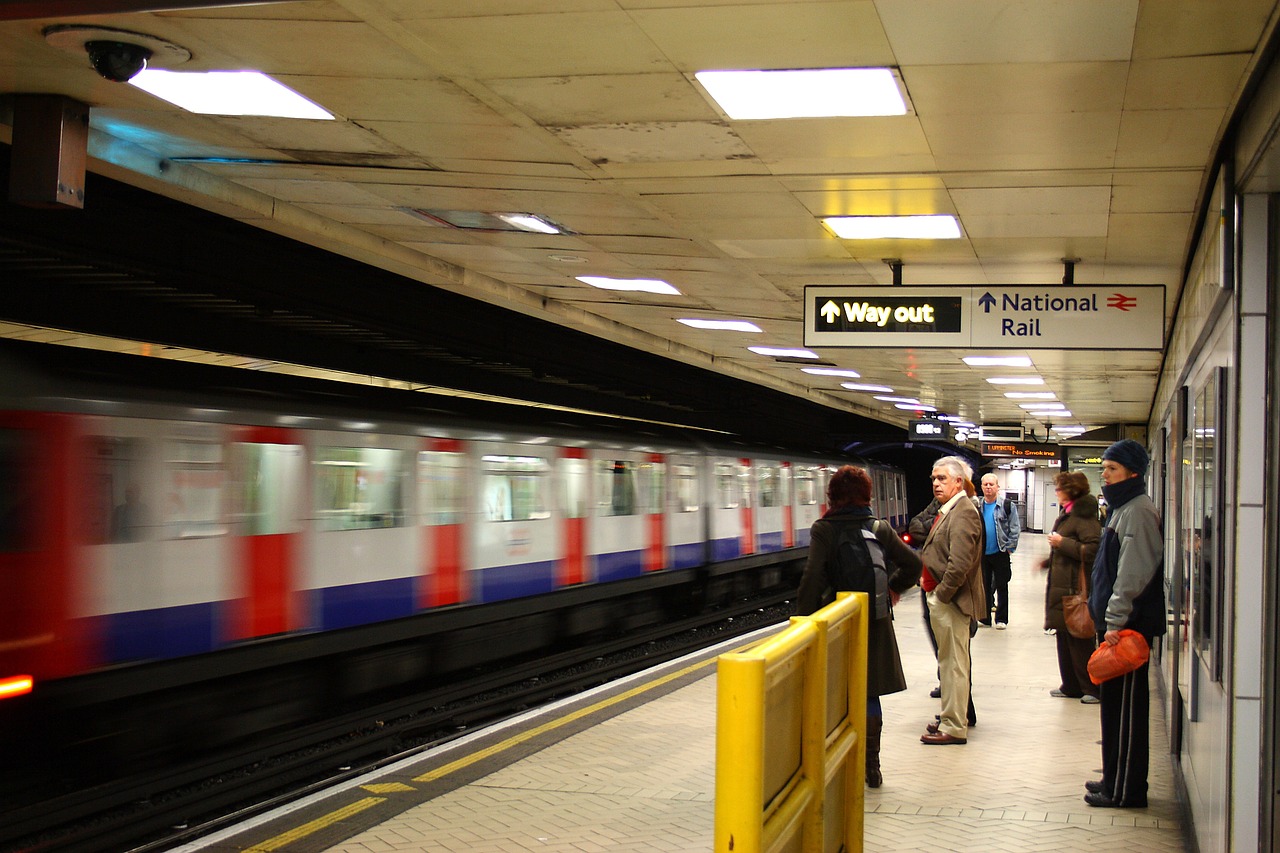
[996,574]
[933,641]
[1073,664]
[1126,727]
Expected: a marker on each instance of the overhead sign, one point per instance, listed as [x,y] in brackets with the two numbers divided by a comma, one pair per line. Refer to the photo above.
[1001,432]
[928,430]
[1111,317]
[1020,451]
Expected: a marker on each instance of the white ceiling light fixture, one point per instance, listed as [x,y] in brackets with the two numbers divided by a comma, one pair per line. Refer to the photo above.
[228,93]
[855,386]
[928,227]
[1015,380]
[529,222]
[806,93]
[831,371]
[642,285]
[899,400]
[784,352]
[915,408]
[722,325]
[1043,406]
[1050,413]
[1030,395]
[1069,430]
[997,360]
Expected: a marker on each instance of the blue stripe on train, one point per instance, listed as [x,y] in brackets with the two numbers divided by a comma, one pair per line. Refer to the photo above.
[687,556]
[362,603]
[166,632]
[802,537]
[770,541]
[502,582]
[617,565]
[725,549]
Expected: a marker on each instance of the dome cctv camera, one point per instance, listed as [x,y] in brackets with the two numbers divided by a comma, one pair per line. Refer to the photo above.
[117,61]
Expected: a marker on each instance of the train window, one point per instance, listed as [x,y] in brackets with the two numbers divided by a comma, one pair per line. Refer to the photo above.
[515,488]
[770,485]
[267,484]
[617,492]
[573,477]
[727,496]
[744,484]
[806,487]
[440,486]
[358,488]
[686,486]
[15,496]
[122,507]
[651,487]
[193,502]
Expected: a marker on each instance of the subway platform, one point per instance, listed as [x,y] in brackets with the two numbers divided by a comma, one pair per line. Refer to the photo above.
[630,768]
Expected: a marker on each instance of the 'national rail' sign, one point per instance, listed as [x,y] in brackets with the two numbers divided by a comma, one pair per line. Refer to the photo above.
[1006,317]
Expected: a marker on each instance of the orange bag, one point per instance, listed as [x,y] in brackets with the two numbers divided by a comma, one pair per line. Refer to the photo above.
[1110,661]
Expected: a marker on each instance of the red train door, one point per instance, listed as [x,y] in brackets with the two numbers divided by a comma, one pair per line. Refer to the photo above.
[43,481]
[747,496]
[788,507]
[271,475]
[441,471]
[655,556]
[575,478]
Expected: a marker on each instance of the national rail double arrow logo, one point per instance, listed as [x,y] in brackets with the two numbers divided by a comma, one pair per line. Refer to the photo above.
[1119,300]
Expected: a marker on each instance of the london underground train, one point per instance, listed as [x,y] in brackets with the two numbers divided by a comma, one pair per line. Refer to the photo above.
[156,511]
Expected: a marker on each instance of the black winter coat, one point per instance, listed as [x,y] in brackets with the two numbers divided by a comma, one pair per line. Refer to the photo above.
[884,665]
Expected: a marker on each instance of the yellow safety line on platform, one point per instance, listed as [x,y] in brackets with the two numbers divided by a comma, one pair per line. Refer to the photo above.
[516,740]
[316,825]
[355,808]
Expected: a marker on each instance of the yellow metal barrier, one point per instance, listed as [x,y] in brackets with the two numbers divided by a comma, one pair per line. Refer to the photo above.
[791,736]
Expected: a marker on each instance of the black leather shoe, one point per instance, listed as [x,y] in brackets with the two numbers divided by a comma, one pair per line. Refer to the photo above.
[1093,787]
[1102,801]
[932,728]
[935,693]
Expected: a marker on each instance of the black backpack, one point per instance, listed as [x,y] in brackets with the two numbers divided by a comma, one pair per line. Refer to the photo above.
[860,565]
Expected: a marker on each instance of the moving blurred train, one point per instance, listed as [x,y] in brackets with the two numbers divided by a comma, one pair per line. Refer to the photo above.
[153,511]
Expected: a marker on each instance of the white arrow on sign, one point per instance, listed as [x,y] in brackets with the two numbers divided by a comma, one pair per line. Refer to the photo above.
[830,311]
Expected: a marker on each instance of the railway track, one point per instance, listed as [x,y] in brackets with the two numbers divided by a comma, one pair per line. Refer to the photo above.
[154,811]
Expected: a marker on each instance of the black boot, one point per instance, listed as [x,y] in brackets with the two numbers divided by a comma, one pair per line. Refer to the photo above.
[874,726]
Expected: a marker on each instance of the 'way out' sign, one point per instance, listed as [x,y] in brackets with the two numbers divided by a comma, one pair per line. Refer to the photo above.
[1110,317]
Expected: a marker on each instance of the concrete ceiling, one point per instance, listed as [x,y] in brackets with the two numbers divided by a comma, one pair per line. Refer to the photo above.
[1080,130]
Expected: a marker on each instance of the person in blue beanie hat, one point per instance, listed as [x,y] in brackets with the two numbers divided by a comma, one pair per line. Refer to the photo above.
[1127,591]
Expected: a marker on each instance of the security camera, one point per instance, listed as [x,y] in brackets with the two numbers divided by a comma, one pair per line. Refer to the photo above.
[117,61]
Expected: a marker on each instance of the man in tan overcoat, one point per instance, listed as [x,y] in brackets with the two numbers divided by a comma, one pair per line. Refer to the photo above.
[952,582]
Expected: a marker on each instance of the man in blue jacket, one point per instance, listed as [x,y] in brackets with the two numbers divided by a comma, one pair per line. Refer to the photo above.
[1127,592]
[1001,530]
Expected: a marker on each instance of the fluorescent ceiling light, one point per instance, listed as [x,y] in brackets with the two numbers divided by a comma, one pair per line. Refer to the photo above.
[805,93]
[1030,395]
[831,371]
[1042,406]
[997,360]
[783,352]
[529,222]
[1051,413]
[931,227]
[854,386]
[916,408]
[1069,429]
[227,93]
[723,325]
[1015,380]
[643,285]
[899,400]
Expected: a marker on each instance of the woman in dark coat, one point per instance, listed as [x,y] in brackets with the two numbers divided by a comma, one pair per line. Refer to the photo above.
[849,502]
[1074,540]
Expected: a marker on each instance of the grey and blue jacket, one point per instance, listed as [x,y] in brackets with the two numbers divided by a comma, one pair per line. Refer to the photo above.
[1127,589]
[1008,528]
